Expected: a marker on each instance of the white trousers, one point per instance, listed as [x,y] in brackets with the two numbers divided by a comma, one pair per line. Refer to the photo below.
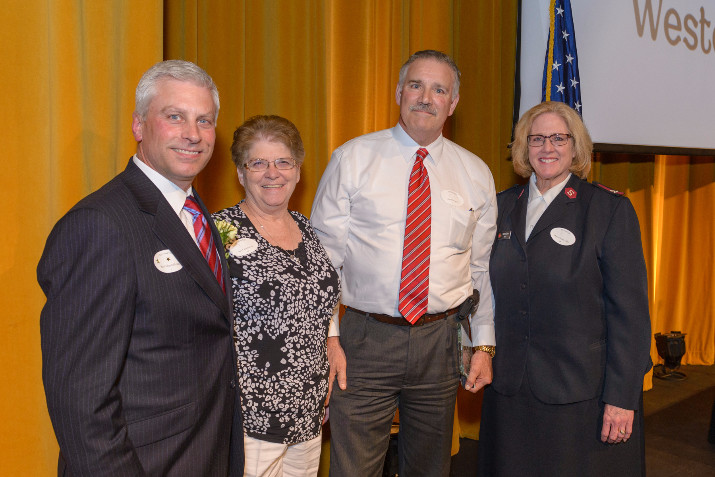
[268,459]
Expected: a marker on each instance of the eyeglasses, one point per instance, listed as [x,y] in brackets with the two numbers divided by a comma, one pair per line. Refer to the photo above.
[558,139]
[261,165]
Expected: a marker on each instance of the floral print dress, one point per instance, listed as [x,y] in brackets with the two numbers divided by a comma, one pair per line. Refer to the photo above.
[282,304]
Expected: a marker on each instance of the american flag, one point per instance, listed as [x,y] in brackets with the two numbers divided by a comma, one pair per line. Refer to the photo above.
[561,79]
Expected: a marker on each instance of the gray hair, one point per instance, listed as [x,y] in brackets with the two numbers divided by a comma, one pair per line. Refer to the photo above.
[179,70]
[268,128]
[433,55]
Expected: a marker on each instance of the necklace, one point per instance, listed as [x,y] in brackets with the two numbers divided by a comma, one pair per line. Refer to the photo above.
[291,253]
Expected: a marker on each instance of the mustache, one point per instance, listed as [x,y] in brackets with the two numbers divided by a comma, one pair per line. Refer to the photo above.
[425,108]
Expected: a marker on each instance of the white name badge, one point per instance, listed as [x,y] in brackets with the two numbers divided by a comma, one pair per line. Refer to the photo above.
[452,198]
[562,236]
[166,262]
[243,247]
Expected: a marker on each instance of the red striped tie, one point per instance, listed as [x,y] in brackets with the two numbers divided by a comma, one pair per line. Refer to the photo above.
[205,239]
[414,280]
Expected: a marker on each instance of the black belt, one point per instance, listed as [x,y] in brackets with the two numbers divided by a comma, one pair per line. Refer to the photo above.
[401,321]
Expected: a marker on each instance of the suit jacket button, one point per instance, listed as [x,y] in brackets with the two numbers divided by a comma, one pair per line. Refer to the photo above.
[233,383]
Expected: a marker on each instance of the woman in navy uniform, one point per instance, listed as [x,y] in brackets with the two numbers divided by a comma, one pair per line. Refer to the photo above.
[572,321]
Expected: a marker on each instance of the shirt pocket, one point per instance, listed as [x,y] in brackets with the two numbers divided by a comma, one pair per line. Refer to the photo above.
[461,227]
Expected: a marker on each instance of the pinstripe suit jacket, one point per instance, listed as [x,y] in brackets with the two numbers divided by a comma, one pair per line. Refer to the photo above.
[138,360]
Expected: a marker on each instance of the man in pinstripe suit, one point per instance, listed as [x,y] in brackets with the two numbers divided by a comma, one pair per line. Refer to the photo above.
[138,358]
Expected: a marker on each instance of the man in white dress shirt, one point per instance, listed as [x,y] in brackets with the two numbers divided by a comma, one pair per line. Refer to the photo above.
[385,356]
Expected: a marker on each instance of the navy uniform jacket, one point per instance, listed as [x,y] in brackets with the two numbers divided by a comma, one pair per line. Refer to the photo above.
[572,302]
[138,359]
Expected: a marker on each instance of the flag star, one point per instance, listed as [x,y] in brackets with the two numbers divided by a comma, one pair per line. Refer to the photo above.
[577,106]
[573,82]
[569,58]
[565,35]
[560,87]
[556,65]
[559,11]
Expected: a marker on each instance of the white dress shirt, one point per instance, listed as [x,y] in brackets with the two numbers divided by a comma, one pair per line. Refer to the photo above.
[175,195]
[538,202]
[359,215]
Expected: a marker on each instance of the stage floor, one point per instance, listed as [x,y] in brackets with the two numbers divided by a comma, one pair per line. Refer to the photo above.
[677,420]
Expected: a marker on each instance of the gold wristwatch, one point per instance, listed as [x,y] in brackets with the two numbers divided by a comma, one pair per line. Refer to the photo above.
[492,350]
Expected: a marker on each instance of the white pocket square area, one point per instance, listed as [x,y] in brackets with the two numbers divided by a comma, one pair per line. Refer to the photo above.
[166,262]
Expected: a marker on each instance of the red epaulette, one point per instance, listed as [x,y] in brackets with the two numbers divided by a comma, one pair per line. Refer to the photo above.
[612,191]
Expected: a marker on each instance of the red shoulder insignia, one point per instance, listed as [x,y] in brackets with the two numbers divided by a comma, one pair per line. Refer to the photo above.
[570,192]
[608,189]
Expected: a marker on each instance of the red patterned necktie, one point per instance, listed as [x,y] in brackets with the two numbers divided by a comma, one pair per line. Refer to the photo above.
[205,239]
[414,280]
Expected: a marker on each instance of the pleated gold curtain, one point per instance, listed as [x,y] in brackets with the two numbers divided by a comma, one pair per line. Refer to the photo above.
[683,252]
[331,67]
[70,69]
[674,197]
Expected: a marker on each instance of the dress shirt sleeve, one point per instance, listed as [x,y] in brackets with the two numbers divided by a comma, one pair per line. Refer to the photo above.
[330,217]
[625,296]
[85,329]
[482,321]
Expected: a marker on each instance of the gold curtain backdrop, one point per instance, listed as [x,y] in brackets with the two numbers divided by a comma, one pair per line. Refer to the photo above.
[70,69]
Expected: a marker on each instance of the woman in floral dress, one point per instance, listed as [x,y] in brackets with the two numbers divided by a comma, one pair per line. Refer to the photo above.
[284,294]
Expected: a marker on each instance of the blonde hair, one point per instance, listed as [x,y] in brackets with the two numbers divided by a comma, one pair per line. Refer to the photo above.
[582,144]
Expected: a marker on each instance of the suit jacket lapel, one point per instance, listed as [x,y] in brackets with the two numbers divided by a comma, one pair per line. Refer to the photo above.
[559,206]
[518,215]
[168,228]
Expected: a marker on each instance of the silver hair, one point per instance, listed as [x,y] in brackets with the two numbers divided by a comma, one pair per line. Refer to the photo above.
[179,70]
[434,55]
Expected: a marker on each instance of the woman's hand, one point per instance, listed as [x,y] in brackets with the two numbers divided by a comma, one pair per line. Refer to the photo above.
[338,365]
[617,424]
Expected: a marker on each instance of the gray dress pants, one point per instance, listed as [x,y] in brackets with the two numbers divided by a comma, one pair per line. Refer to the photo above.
[390,367]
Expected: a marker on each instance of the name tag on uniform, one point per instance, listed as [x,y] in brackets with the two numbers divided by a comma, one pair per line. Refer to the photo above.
[563,236]
[504,235]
